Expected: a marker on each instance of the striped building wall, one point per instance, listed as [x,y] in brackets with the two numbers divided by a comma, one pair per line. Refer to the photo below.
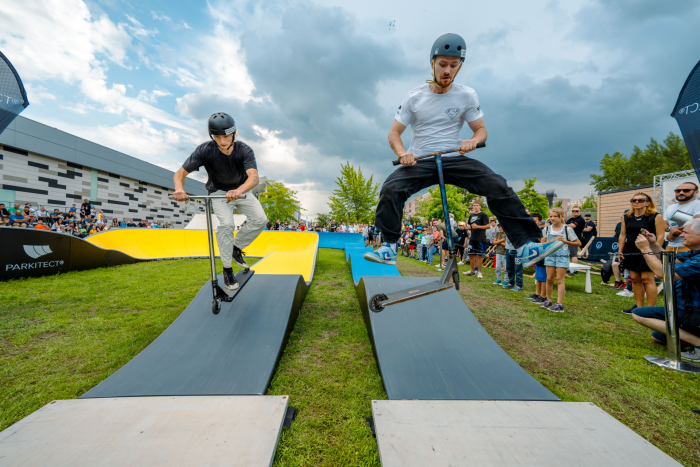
[28,177]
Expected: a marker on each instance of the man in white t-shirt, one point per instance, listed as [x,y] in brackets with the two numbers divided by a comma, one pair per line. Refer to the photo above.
[686,203]
[437,111]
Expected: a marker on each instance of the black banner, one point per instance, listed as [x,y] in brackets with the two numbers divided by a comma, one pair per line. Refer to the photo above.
[13,98]
[34,253]
[687,114]
[600,248]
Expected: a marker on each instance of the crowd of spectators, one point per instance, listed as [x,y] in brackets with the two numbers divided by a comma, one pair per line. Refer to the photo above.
[79,222]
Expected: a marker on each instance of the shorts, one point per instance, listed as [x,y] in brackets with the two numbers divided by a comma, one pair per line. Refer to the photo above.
[573,252]
[476,248]
[657,312]
[540,273]
[558,259]
[411,247]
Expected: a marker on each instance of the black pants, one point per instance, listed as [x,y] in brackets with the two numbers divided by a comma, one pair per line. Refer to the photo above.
[463,172]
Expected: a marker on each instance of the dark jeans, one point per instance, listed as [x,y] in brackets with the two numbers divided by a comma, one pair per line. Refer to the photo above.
[514,268]
[463,172]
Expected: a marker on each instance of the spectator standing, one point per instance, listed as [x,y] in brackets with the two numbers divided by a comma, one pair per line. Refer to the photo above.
[687,283]
[85,208]
[478,224]
[514,269]
[577,223]
[557,263]
[499,242]
[589,231]
[462,238]
[429,243]
[685,203]
[493,230]
[539,297]
[643,215]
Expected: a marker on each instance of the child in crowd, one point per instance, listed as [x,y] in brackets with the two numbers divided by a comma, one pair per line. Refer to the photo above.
[514,269]
[558,263]
[540,270]
[429,243]
[499,241]
[411,244]
[419,243]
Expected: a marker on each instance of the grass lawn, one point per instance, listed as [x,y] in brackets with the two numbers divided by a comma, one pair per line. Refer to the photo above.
[61,335]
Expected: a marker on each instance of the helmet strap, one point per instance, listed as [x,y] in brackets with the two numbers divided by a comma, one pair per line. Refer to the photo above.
[232,141]
[434,81]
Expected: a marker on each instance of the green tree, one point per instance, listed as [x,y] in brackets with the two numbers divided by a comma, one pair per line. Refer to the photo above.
[532,200]
[590,202]
[355,197]
[323,220]
[558,204]
[456,203]
[280,202]
[618,171]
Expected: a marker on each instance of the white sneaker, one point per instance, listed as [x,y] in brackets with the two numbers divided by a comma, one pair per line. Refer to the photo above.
[625,293]
[692,354]
[469,273]
[479,276]
[461,263]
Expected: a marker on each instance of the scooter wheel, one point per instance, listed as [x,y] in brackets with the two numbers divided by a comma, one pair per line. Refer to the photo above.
[216,306]
[455,279]
[374,302]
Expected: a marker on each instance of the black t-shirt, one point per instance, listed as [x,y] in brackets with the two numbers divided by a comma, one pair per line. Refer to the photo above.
[4,212]
[618,229]
[141,224]
[462,235]
[225,172]
[580,225]
[592,233]
[479,235]
[86,208]
[333,227]
[131,224]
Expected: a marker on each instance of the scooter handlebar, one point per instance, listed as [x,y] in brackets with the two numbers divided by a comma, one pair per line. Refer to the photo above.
[433,154]
[207,197]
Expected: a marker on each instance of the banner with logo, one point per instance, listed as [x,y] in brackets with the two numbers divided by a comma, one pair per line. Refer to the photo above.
[687,114]
[36,253]
[601,247]
[13,98]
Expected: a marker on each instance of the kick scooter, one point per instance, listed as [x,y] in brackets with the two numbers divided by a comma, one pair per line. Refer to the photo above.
[220,294]
[379,301]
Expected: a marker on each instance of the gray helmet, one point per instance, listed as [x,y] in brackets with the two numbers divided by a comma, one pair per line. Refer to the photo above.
[221,124]
[451,45]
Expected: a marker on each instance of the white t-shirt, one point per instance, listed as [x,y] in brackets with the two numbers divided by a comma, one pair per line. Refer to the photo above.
[437,119]
[692,208]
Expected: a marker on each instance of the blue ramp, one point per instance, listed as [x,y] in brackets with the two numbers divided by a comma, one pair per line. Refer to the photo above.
[359,267]
[355,248]
[338,240]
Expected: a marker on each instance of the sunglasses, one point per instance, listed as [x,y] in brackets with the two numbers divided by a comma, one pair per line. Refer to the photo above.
[575,210]
[638,200]
[685,190]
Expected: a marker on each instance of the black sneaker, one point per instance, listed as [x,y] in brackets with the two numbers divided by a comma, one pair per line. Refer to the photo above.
[629,311]
[230,279]
[237,257]
[538,300]
[531,296]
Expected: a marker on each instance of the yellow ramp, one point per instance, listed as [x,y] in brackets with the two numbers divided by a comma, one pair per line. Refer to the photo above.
[282,252]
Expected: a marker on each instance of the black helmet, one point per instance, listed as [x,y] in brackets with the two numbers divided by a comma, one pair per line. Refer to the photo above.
[451,45]
[222,124]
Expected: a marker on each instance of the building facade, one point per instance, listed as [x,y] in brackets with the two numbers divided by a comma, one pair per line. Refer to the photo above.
[47,167]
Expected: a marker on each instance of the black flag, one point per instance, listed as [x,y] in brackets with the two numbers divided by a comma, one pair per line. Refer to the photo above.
[687,114]
[13,98]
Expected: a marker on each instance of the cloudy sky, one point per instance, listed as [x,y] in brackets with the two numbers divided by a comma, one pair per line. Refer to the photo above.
[313,84]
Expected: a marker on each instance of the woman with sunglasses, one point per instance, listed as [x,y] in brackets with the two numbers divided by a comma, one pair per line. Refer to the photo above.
[643,215]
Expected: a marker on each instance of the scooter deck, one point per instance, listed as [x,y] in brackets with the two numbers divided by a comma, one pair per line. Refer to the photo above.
[414,292]
[242,277]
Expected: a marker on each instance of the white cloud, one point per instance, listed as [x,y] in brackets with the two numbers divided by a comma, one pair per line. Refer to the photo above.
[37,94]
[185,25]
[138,30]
[153,96]
[82,109]
[159,17]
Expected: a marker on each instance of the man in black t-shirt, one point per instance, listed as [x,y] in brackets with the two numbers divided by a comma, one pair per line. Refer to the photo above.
[333,227]
[477,223]
[589,231]
[577,223]
[85,208]
[232,171]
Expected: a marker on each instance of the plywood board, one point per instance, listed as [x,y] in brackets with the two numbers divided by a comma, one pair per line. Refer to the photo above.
[152,431]
[507,433]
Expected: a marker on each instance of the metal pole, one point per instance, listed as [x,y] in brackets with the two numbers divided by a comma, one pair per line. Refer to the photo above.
[210,234]
[443,195]
[673,341]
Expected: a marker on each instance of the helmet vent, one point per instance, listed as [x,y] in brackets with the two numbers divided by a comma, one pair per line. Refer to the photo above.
[459,47]
[447,46]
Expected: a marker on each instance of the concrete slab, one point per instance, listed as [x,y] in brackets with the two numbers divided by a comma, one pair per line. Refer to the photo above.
[507,433]
[153,431]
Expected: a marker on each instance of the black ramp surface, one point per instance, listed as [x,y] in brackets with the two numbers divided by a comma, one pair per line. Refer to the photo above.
[232,353]
[433,348]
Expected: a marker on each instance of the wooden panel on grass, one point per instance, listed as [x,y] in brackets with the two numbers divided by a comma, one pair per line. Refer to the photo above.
[153,431]
[507,433]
